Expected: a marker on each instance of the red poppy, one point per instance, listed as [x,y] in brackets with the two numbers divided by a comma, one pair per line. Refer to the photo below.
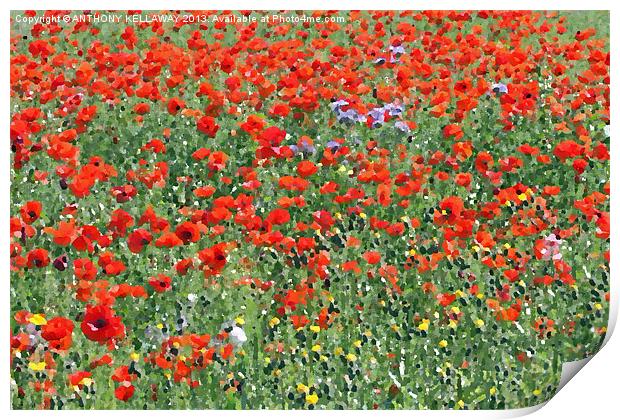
[124,193]
[124,392]
[121,374]
[278,216]
[372,257]
[183,266]
[217,161]
[449,212]
[138,239]
[38,258]
[207,126]
[100,324]
[306,168]
[110,264]
[188,232]
[168,240]
[161,283]
[213,257]
[57,331]
[84,269]
[568,149]
[30,211]
[445,299]
[141,108]
[204,192]
[175,105]
[77,379]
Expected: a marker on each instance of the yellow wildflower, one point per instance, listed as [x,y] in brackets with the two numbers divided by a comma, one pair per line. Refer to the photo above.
[312,398]
[37,319]
[351,357]
[37,366]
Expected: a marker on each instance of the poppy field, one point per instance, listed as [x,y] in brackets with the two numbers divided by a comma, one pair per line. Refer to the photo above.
[306,210]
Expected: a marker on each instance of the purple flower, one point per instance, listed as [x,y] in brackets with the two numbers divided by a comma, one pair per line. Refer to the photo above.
[402,126]
[397,50]
[377,114]
[394,109]
[499,88]
[333,144]
[335,106]
[304,148]
[349,116]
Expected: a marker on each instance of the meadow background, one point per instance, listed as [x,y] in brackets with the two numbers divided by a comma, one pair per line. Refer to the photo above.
[272,314]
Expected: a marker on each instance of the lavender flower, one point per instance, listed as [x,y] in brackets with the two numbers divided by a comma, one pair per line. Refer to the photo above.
[349,116]
[397,50]
[333,145]
[377,114]
[335,106]
[394,109]
[402,126]
[304,148]
[499,88]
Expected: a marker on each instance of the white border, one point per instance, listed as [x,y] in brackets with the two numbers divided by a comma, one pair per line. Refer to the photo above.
[568,403]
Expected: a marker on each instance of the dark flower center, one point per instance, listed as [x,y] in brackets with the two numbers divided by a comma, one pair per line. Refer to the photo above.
[100,323]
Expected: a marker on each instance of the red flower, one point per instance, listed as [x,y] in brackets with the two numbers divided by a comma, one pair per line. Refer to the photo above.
[121,374]
[306,168]
[161,283]
[272,136]
[101,325]
[109,263]
[278,216]
[580,165]
[207,126]
[175,105]
[30,211]
[372,257]
[217,161]
[184,265]
[138,239]
[77,378]
[463,179]
[445,299]
[58,333]
[188,232]
[214,257]
[141,108]
[38,258]
[449,212]
[567,149]
[168,240]
[124,392]
[84,269]
[124,193]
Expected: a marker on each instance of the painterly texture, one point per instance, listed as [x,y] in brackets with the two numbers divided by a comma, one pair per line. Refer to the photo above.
[386,210]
